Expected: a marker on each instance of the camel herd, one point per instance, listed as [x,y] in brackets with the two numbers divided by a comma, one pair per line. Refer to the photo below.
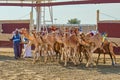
[68,45]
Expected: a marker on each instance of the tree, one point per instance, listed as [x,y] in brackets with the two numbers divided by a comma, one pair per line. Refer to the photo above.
[73,21]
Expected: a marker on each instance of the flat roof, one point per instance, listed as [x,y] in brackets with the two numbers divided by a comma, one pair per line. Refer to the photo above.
[14,21]
[109,21]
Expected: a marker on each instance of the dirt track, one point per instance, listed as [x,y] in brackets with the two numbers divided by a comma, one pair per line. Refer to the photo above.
[23,69]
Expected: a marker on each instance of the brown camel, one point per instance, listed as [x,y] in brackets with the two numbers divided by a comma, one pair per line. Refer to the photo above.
[107,48]
[95,41]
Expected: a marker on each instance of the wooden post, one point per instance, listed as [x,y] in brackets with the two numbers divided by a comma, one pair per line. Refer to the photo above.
[97,20]
[97,16]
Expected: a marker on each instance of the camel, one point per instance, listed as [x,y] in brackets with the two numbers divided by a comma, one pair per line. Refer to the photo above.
[58,45]
[107,48]
[32,40]
[94,41]
[70,42]
[83,50]
[47,42]
[69,51]
[52,41]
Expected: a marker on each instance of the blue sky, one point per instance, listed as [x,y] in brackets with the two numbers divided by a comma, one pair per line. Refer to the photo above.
[85,13]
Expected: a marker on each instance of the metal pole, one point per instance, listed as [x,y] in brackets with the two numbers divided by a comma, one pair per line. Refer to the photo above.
[31,18]
[38,19]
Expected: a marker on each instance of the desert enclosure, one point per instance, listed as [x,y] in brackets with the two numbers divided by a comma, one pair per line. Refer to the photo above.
[23,69]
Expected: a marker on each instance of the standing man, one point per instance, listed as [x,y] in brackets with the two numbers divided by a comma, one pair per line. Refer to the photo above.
[16,38]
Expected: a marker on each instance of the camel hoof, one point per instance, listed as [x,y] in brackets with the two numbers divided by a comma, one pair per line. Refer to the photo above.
[87,65]
[65,65]
[113,64]
[33,62]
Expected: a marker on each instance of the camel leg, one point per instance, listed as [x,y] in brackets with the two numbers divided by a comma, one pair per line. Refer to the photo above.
[56,52]
[104,59]
[112,53]
[73,57]
[59,55]
[52,54]
[111,59]
[76,57]
[66,57]
[98,58]
[88,60]
[80,56]
[62,54]
[34,56]
[87,65]
[91,60]
[86,54]
[49,55]
[45,57]
[38,53]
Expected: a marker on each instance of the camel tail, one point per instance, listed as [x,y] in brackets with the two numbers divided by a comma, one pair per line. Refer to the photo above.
[115,44]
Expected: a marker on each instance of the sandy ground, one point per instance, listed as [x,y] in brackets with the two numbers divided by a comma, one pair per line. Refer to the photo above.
[23,69]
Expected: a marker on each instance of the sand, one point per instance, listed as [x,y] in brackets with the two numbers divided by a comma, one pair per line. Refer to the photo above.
[23,69]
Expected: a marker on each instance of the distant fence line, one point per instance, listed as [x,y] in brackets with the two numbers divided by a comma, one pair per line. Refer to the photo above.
[85,27]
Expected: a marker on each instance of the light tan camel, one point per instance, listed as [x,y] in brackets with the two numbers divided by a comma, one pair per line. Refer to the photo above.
[69,51]
[32,40]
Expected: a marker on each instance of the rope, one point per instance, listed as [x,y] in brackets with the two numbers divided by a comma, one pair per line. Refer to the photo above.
[24,16]
[110,16]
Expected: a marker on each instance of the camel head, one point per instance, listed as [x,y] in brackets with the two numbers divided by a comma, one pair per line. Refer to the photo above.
[23,31]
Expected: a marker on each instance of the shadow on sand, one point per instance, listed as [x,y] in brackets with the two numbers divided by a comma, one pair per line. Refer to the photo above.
[101,68]
[5,57]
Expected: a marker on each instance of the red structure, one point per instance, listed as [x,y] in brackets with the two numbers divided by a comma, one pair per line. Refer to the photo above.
[8,26]
[6,44]
[61,3]
[112,28]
